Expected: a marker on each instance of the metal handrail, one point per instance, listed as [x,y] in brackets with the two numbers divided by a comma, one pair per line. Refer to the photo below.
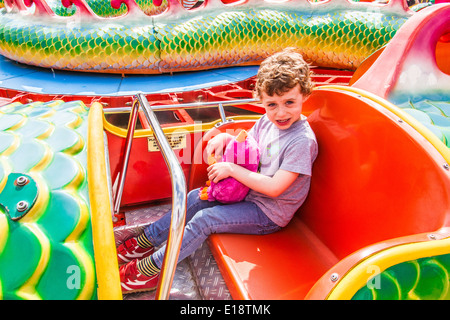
[179,189]
[126,157]
[132,127]
[179,195]
[193,105]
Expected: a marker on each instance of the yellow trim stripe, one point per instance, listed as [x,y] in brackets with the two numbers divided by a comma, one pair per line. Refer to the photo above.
[45,160]
[13,146]
[39,207]
[28,290]
[86,263]
[83,258]
[191,128]
[357,277]
[6,169]
[107,267]
[419,127]
[4,230]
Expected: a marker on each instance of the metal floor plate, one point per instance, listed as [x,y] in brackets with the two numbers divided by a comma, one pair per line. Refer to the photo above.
[209,279]
[196,278]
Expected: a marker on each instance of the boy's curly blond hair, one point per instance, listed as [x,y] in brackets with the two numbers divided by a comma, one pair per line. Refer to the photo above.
[281,72]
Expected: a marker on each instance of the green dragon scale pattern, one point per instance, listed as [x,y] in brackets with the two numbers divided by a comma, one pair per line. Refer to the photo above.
[48,255]
[434,114]
[421,279]
[337,34]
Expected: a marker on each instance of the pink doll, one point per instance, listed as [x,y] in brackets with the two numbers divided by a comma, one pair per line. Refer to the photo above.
[242,150]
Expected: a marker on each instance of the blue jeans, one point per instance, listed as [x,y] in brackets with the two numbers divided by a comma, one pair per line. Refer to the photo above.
[207,217]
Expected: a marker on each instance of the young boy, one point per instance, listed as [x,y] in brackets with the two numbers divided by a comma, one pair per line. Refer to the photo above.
[288,149]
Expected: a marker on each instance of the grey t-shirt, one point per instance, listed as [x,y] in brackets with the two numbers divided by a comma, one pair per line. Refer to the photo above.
[293,149]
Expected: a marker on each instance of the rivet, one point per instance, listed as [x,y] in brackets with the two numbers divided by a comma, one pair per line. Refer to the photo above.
[21,181]
[446,166]
[22,206]
[432,236]
[334,277]
[400,120]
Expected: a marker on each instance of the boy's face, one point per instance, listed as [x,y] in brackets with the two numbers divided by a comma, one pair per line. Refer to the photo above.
[285,109]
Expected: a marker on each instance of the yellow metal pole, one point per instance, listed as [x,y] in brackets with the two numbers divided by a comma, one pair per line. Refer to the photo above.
[107,267]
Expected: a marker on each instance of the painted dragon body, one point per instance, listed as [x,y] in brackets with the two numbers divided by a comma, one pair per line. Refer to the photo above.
[336,33]
[104,9]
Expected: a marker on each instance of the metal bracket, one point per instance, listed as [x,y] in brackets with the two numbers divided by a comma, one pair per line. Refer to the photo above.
[19,195]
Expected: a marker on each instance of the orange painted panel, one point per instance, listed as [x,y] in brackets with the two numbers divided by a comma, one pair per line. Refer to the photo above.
[375,178]
[443,52]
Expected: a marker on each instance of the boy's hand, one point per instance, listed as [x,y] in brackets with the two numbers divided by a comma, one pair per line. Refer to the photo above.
[219,171]
[217,144]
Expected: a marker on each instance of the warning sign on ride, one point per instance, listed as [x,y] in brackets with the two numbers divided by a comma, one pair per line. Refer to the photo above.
[176,141]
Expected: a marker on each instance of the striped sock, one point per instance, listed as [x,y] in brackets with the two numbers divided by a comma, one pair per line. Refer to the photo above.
[143,242]
[147,267]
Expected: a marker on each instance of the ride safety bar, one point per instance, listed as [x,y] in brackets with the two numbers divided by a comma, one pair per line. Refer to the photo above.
[120,179]
[179,194]
[179,189]
[193,105]
[122,174]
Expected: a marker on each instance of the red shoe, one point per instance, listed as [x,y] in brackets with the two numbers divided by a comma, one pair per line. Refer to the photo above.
[133,281]
[129,250]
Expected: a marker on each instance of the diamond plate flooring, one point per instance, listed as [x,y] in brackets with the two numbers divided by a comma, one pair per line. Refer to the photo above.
[196,278]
